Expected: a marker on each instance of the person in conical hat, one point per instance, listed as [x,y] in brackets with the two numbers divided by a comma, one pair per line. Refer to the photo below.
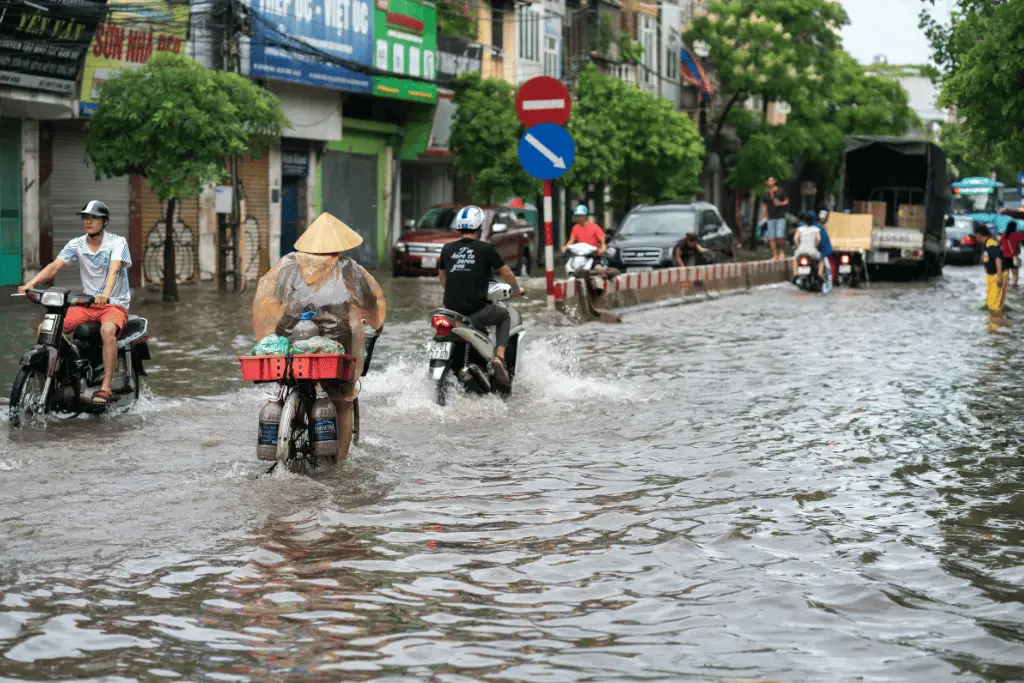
[317,277]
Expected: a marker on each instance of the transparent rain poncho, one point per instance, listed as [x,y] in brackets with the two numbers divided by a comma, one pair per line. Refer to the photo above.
[341,292]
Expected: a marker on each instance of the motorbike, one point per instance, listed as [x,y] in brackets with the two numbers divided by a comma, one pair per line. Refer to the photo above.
[807,276]
[851,269]
[462,351]
[61,373]
[582,258]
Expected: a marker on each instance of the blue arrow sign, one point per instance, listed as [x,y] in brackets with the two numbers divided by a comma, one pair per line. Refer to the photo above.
[546,151]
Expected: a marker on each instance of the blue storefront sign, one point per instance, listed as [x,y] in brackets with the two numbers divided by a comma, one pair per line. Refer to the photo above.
[287,34]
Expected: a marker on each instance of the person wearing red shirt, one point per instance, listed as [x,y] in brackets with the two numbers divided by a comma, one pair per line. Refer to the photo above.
[585,231]
[1010,243]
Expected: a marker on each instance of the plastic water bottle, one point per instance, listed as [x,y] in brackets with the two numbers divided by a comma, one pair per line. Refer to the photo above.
[306,328]
[325,429]
[270,422]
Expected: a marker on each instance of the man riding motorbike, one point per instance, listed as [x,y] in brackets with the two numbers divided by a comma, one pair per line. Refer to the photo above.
[808,242]
[585,230]
[317,277]
[465,270]
[103,262]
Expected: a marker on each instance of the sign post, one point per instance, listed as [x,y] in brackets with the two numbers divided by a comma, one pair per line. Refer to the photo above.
[546,150]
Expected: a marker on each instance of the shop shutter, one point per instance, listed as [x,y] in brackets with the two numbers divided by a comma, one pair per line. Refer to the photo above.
[72,184]
[254,176]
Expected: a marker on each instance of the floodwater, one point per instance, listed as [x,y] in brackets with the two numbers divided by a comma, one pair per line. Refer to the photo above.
[772,486]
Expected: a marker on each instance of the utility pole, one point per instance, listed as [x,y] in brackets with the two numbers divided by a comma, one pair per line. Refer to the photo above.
[229,249]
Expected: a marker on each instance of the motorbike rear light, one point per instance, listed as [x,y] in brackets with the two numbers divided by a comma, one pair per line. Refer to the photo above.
[917,254]
[968,241]
[804,261]
[844,259]
[442,324]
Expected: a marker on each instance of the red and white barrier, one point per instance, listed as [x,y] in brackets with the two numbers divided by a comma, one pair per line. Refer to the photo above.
[718,272]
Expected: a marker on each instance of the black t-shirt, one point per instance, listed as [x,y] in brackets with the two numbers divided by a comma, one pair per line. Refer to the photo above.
[993,253]
[469,264]
[775,212]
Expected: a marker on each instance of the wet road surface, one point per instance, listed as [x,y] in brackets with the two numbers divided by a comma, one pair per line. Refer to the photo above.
[769,486]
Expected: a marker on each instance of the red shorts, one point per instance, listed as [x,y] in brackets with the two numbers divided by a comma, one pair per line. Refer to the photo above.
[108,313]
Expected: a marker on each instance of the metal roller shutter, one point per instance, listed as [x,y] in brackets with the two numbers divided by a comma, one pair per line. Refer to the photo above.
[72,184]
[254,176]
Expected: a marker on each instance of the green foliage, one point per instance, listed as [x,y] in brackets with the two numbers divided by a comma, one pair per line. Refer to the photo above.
[983,57]
[633,141]
[485,139]
[174,123]
[630,51]
[762,156]
[966,162]
[457,18]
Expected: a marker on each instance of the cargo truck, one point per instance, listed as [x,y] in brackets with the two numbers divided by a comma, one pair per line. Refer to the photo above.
[903,185]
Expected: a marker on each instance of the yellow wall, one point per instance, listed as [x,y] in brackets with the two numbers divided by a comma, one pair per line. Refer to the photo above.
[505,69]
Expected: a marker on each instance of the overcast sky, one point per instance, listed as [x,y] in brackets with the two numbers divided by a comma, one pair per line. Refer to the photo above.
[887,27]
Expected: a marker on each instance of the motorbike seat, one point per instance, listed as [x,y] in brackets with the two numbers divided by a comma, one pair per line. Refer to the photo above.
[89,333]
[462,319]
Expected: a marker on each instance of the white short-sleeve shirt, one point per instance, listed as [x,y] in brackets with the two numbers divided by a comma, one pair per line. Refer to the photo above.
[95,265]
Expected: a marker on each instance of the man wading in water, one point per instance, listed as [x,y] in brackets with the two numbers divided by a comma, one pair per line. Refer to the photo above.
[316,277]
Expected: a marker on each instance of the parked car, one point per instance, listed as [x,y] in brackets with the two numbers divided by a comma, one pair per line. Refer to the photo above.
[512,231]
[647,235]
[961,248]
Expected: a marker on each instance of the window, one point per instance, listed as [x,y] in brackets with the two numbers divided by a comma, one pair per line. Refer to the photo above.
[648,42]
[551,57]
[672,64]
[497,25]
[710,222]
[528,24]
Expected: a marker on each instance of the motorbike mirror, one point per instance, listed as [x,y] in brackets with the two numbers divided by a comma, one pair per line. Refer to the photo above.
[499,227]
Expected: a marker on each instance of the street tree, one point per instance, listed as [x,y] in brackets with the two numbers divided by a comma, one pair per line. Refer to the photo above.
[773,50]
[175,123]
[981,57]
[634,142]
[485,138]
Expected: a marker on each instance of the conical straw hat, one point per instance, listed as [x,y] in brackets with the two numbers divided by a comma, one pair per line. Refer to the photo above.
[328,235]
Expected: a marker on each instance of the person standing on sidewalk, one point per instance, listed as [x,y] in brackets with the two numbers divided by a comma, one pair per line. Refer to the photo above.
[773,209]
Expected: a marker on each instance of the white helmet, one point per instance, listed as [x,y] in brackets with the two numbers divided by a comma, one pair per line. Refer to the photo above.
[469,219]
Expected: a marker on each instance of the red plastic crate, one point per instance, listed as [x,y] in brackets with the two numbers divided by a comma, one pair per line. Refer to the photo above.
[263,368]
[323,366]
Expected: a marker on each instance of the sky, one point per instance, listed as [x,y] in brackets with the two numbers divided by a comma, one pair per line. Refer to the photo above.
[888,27]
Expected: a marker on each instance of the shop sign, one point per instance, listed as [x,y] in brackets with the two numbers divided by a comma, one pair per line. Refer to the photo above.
[43,42]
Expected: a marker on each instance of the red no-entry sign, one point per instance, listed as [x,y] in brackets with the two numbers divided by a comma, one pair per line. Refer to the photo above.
[543,100]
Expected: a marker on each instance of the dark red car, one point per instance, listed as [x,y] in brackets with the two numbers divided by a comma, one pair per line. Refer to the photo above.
[512,231]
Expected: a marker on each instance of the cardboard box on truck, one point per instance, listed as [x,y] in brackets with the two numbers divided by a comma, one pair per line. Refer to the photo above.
[911,216]
[849,232]
[876,209]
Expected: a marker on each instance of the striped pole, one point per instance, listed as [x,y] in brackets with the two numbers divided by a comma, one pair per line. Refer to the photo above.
[549,249]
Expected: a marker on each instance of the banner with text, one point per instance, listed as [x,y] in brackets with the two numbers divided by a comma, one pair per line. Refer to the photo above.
[405,40]
[43,42]
[134,32]
[289,37]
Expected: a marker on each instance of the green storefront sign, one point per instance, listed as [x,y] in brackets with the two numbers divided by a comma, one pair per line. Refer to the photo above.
[405,44]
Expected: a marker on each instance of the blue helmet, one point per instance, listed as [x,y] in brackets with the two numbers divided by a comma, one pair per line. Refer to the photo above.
[581,210]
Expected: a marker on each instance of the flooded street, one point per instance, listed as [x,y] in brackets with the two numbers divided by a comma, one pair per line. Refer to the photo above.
[771,486]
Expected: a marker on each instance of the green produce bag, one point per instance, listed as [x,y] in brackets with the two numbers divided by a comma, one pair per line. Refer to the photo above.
[317,345]
[272,345]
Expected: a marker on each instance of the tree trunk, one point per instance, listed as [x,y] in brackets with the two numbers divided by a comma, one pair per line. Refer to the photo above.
[170,267]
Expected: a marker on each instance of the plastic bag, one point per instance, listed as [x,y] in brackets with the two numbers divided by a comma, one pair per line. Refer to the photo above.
[318,344]
[272,345]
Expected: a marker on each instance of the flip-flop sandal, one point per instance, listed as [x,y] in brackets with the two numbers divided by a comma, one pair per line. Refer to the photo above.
[102,398]
[500,372]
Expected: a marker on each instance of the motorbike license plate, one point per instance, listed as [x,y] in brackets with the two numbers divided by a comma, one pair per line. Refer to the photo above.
[48,322]
[845,269]
[879,257]
[439,350]
[428,262]
[803,270]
